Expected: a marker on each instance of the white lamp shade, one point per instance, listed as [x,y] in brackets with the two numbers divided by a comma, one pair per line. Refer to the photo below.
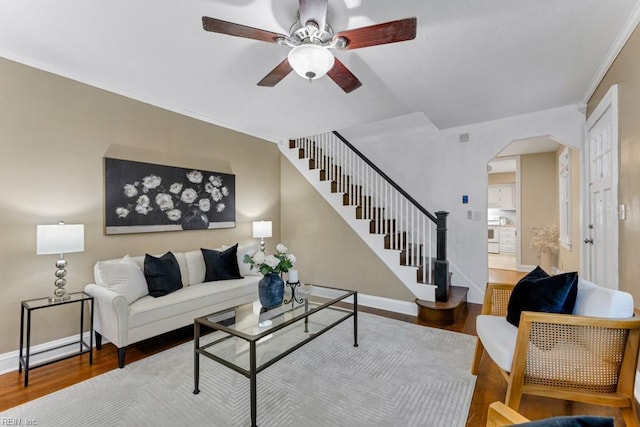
[311,61]
[60,239]
[261,229]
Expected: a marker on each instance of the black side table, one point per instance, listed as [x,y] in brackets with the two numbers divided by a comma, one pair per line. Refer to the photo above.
[35,304]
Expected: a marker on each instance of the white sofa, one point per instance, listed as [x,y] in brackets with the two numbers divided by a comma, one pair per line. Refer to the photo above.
[124,313]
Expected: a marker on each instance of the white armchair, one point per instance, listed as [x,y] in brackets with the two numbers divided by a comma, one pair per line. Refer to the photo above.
[589,356]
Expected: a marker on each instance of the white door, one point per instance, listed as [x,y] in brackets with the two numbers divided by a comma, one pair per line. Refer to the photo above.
[601,172]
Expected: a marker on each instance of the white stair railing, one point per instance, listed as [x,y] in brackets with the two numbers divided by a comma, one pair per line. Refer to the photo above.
[408,227]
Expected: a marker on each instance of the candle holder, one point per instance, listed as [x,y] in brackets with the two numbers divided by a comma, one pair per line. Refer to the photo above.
[293,297]
[299,292]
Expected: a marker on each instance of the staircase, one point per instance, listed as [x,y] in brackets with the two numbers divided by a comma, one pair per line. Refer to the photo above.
[410,240]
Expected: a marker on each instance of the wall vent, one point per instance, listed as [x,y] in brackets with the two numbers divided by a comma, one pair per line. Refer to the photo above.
[464,137]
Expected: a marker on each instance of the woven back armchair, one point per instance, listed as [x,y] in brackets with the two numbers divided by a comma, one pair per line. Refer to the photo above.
[573,357]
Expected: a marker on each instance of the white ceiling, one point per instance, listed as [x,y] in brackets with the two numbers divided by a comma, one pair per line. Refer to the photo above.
[472,60]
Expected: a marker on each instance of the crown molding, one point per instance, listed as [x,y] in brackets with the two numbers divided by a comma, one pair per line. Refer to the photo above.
[613,53]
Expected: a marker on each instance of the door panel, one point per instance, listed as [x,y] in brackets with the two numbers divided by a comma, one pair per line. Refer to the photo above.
[602,230]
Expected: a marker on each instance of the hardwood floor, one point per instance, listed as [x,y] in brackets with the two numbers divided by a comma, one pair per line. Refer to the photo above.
[490,386]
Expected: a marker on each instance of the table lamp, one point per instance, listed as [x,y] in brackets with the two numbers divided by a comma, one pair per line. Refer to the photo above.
[261,229]
[60,239]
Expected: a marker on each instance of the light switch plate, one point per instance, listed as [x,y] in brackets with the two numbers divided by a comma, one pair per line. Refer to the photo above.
[622,212]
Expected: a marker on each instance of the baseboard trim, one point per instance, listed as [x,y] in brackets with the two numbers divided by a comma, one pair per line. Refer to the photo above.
[372,301]
[9,361]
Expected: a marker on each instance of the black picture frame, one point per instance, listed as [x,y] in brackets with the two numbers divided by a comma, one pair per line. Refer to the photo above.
[145,197]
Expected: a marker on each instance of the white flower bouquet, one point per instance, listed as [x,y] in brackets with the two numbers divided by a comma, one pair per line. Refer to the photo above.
[278,263]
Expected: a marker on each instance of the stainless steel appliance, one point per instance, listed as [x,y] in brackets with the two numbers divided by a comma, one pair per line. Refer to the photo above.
[493,235]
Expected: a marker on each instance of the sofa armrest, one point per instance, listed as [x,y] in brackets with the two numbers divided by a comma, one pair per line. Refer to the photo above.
[111,314]
[496,298]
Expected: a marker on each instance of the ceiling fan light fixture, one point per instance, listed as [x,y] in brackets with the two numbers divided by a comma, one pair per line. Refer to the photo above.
[310,61]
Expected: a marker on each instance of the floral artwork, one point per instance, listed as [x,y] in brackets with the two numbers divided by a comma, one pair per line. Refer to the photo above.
[144,197]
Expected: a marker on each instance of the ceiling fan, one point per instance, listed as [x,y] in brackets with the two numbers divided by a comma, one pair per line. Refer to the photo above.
[311,37]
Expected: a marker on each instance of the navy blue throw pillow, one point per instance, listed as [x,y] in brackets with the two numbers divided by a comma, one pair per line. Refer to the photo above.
[162,274]
[221,265]
[572,421]
[536,273]
[552,294]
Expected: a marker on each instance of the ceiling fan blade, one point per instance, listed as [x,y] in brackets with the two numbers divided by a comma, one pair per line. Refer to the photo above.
[343,77]
[388,32]
[223,27]
[313,10]
[280,72]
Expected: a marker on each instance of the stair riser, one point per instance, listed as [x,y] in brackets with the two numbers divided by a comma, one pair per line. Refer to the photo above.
[382,227]
[349,200]
[397,242]
[374,213]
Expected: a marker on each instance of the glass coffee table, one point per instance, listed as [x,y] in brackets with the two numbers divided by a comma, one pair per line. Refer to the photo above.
[249,338]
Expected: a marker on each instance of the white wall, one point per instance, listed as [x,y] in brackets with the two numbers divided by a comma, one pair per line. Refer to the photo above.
[436,169]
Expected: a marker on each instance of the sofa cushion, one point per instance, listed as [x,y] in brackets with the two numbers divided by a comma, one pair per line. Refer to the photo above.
[596,301]
[162,274]
[124,277]
[221,265]
[188,299]
[195,264]
[139,260]
[498,337]
[553,294]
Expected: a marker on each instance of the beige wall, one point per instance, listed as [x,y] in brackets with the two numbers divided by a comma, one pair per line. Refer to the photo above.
[329,252]
[569,259]
[625,71]
[538,199]
[502,178]
[54,133]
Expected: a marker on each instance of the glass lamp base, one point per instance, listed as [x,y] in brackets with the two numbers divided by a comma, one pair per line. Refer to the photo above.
[59,299]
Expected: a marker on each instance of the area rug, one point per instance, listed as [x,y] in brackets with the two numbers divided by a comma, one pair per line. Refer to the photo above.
[400,375]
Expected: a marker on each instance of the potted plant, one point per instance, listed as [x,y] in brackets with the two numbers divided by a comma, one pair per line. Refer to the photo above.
[545,240]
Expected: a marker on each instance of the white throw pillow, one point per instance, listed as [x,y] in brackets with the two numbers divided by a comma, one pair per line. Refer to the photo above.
[245,269]
[123,278]
[131,261]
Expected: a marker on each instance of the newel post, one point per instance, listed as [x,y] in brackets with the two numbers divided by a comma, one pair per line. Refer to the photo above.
[441,264]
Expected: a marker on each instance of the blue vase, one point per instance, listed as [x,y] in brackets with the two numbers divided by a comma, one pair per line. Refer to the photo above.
[271,290]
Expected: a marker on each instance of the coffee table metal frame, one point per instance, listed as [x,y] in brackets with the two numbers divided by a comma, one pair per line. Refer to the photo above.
[254,369]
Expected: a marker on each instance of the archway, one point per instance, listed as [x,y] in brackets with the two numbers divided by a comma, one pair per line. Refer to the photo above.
[530,171]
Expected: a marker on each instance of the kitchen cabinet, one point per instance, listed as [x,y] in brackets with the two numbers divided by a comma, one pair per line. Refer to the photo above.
[502,196]
[507,240]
